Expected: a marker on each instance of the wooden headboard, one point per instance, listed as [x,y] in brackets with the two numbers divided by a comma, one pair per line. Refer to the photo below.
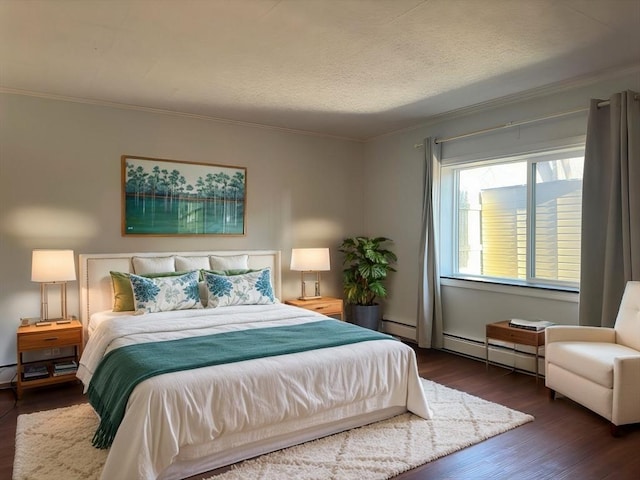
[96,292]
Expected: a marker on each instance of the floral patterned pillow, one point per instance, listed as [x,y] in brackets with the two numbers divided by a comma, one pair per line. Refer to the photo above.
[164,294]
[253,288]
[122,294]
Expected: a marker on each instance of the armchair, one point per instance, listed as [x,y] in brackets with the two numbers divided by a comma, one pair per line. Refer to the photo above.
[599,367]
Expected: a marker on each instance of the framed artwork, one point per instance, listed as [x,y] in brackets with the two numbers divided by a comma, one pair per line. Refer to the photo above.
[169,197]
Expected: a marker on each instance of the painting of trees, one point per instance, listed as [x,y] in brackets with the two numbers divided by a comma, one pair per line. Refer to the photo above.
[168,197]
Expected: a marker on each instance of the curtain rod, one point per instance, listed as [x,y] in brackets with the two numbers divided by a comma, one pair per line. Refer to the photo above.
[510,125]
[606,103]
[517,124]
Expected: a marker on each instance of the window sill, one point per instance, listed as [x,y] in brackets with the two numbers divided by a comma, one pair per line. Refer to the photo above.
[547,291]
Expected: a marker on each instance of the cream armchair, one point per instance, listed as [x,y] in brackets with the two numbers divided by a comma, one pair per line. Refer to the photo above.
[599,367]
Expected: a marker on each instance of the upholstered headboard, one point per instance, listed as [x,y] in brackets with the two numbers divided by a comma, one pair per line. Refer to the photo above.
[96,293]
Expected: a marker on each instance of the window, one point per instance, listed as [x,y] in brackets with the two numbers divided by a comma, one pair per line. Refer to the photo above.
[515,220]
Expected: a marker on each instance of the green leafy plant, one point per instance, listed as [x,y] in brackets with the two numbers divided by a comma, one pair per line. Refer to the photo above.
[367,263]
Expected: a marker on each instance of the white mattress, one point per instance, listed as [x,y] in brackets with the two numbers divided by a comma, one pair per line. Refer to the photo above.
[219,414]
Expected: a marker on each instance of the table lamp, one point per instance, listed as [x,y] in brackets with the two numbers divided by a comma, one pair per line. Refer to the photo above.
[52,267]
[310,260]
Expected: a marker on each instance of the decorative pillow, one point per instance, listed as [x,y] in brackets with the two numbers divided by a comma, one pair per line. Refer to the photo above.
[228,262]
[122,293]
[191,263]
[163,294]
[203,286]
[252,288]
[144,265]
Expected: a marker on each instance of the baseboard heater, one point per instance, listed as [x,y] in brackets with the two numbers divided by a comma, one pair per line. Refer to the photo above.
[518,357]
[401,330]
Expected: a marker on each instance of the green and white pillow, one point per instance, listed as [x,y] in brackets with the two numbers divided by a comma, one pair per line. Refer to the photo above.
[163,294]
[253,288]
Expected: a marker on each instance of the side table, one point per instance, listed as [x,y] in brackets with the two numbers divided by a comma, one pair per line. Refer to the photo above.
[503,332]
[53,336]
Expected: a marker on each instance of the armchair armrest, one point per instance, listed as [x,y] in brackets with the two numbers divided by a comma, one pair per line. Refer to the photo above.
[626,390]
[573,333]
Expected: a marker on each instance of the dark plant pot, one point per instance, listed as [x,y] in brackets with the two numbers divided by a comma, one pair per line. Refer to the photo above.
[367,316]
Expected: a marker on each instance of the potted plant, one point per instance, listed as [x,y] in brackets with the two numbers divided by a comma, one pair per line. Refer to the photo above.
[366,265]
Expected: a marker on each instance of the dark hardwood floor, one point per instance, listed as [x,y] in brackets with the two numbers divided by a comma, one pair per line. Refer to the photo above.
[566,441]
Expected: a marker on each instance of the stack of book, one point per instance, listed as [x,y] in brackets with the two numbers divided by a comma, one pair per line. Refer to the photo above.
[65,367]
[535,325]
[34,372]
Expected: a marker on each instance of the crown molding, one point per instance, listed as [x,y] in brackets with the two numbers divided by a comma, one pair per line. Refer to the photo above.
[532,94]
[160,111]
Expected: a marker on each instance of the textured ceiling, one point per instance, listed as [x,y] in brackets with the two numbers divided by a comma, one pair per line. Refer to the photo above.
[350,68]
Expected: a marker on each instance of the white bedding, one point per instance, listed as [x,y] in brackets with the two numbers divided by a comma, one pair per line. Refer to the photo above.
[208,411]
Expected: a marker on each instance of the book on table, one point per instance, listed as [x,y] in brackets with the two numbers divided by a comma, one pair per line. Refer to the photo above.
[33,372]
[65,365]
[65,368]
[534,325]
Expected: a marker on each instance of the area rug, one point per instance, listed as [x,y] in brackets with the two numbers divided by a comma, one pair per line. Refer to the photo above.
[56,444]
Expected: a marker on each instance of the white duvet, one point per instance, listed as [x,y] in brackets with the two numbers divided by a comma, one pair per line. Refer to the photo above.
[188,415]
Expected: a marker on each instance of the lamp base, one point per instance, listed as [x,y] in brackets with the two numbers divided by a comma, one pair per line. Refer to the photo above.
[45,322]
[316,288]
[314,297]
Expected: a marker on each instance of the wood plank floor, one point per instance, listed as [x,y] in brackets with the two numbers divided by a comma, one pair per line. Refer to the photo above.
[565,441]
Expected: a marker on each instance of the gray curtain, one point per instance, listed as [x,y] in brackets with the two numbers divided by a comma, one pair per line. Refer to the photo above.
[610,208]
[429,323]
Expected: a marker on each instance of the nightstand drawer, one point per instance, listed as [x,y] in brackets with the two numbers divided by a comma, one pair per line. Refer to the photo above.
[324,305]
[327,308]
[501,331]
[47,339]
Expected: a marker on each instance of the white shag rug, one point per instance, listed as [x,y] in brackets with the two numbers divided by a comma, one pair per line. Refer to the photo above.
[56,444]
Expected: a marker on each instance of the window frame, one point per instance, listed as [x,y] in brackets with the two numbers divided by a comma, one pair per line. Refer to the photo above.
[449,209]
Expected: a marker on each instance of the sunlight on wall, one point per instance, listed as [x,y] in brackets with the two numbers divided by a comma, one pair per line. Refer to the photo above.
[49,223]
[319,232]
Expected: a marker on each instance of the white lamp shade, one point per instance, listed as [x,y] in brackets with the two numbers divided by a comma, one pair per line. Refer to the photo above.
[310,259]
[53,266]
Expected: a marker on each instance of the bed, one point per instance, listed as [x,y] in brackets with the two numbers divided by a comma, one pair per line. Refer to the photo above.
[181,423]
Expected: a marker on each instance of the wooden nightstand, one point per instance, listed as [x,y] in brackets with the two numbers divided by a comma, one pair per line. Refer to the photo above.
[54,336]
[325,305]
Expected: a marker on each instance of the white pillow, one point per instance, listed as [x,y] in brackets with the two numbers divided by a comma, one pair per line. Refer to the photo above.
[230,262]
[187,264]
[163,294]
[253,288]
[145,265]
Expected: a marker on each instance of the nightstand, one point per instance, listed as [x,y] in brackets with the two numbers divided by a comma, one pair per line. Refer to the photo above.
[53,370]
[325,305]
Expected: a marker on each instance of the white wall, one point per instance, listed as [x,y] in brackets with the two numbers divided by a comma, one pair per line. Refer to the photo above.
[393,192]
[60,187]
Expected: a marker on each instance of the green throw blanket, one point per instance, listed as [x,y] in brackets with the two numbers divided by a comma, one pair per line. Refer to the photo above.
[122,369]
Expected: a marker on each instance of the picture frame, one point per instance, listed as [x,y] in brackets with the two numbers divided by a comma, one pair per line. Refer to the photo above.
[163,197]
